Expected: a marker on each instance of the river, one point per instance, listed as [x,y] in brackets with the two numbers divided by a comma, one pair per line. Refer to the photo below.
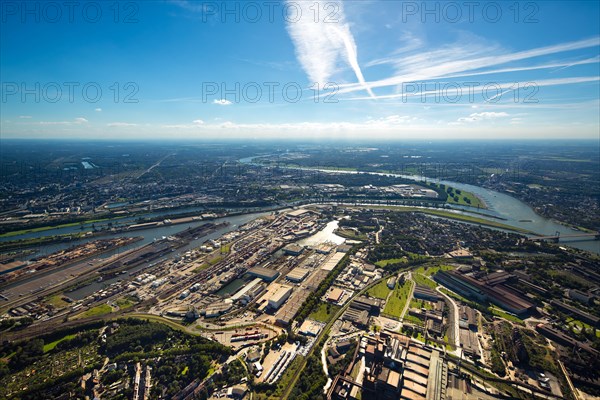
[147,234]
[513,211]
[324,235]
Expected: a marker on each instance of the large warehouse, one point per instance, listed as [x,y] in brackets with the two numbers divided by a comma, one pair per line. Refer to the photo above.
[266,274]
[297,274]
[293,249]
[249,291]
[280,297]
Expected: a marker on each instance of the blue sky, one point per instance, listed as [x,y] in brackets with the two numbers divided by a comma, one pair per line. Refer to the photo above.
[394,69]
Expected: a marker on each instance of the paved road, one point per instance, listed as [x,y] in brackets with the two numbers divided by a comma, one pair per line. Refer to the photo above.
[456,319]
[361,371]
[324,362]
[410,295]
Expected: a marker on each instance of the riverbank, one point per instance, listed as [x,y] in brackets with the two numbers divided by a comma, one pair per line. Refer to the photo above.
[454,216]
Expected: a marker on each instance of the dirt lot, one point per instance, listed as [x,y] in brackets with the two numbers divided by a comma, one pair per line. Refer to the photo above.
[272,357]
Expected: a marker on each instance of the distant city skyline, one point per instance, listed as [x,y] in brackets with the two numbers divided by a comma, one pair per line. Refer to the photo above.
[300,70]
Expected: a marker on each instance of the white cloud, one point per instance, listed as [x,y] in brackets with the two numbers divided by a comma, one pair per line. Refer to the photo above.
[222,102]
[391,120]
[196,7]
[486,115]
[25,116]
[98,110]
[320,44]
[76,121]
[120,124]
[453,90]
[197,123]
[460,60]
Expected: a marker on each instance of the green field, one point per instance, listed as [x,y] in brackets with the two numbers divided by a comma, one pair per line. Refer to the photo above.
[465,197]
[414,303]
[432,270]
[355,370]
[423,281]
[94,311]
[57,301]
[380,290]
[384,263]
[350,234]
[226,248]
[413,320]
[125,302]
[579,325]
[208,263]
[397,301]
[52,345]
[322,315]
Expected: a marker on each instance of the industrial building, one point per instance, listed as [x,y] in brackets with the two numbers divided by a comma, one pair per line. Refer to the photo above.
[253,356]
[297,274]
[391,283]
[565,340]
[580,296]
[293,249]
[280,297]
[372,306]
[490,288]
[298,213]
[360,318]
[396,368]
[249,292]
[467,318]
[576,313]
[469,343]
[218,309]
[266,274]
[461,254]
[453,281]
[324,248]
[425,293]
[310,328]
[335,294]
[332,261]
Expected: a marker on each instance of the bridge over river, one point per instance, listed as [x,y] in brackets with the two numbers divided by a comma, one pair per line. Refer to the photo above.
[578,236]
